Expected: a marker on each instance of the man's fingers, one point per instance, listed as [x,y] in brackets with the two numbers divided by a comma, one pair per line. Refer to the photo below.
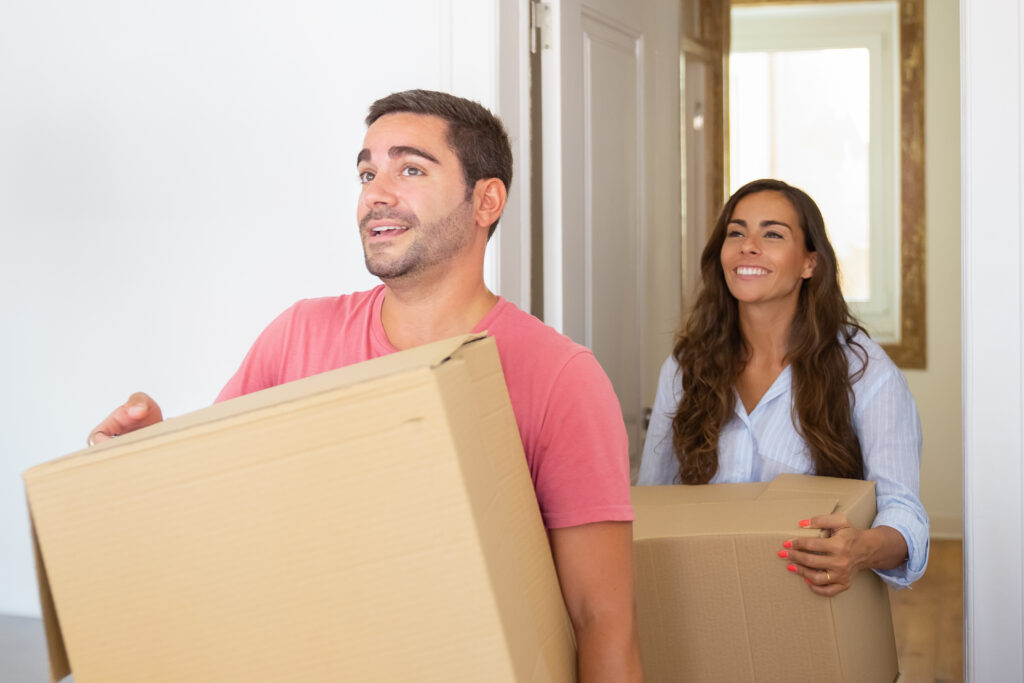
[98,437]
[140,407]
[137,412]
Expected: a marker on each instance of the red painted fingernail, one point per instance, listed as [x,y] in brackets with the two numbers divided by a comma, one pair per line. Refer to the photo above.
[787,544]
[791,567]
[807,581]
[805,522]
[783,553]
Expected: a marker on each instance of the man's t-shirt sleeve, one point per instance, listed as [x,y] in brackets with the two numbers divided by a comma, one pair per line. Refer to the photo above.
[582,472]
[261,367]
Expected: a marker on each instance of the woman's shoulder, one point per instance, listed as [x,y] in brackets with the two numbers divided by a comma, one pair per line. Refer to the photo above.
[870,365]
[670,379]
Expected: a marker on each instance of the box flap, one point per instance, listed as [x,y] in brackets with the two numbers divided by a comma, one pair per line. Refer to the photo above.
[856,497]
[721,519]
[715,493]
[426,356]
[663,511]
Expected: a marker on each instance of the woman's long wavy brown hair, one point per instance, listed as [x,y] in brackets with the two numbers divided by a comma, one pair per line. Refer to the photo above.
[712,353]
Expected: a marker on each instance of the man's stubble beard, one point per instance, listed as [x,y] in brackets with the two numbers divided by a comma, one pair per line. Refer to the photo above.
[432,243]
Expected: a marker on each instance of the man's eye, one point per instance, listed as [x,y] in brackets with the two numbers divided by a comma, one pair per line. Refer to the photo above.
[411,170]
[366,176]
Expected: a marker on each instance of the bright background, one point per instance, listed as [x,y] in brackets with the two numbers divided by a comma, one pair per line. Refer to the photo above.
[172,176]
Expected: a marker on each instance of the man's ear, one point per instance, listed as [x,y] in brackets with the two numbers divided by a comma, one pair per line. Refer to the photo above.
[489,197]
[812,261]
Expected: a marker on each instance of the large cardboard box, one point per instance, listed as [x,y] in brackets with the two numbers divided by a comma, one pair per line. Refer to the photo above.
[376,523]
[715,602]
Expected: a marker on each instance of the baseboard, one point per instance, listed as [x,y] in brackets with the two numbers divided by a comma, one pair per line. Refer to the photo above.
[947,527]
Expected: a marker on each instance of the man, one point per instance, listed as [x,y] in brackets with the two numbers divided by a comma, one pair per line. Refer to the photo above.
[435,171]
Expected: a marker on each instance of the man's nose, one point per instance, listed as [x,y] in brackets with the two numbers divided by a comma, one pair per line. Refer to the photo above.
[379,190]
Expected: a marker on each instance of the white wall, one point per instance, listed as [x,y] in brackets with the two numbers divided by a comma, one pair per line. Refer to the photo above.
[992,79]
[172,176]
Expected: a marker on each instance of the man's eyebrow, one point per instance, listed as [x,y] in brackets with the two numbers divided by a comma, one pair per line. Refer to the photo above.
[398,151]
[406,150]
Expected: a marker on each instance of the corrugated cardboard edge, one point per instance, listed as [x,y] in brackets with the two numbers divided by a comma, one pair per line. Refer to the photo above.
[59,665]
[553,661]
[429,355]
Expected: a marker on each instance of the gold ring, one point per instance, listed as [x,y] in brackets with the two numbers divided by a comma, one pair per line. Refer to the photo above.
[828,577]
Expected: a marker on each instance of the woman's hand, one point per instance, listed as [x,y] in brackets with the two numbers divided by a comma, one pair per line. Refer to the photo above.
[829,565]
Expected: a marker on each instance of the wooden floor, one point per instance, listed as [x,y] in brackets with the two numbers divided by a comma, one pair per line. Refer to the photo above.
[929,619]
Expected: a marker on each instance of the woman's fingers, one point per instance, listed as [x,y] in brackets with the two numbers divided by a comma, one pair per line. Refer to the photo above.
[833,521]
[825,564]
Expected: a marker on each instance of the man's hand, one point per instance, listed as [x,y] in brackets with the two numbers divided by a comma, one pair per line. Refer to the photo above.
[137,412]
[595,570]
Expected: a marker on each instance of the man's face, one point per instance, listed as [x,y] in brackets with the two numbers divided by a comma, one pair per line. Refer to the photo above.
[413,209]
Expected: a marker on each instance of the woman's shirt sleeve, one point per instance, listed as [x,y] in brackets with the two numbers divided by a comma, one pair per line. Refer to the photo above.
[658,464]
[887,425]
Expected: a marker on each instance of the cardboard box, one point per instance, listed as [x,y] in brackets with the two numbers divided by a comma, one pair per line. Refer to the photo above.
[715,602]
[375,523]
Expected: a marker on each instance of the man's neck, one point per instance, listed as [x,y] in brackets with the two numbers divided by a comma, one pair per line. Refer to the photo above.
[421,312]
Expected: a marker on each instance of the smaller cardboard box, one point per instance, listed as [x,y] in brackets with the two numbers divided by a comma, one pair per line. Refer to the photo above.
[375,523]
[715,602]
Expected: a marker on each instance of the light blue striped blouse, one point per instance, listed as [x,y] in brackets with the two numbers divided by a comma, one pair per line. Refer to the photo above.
[763,444]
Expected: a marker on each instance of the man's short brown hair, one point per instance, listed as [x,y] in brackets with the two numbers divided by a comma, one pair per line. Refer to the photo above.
[477,136]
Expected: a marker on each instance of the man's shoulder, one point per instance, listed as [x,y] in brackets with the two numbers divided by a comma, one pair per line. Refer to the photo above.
[334,308]
[532,335]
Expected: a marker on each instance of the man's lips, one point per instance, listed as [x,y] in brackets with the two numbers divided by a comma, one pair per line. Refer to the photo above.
[382,224]
[387,230]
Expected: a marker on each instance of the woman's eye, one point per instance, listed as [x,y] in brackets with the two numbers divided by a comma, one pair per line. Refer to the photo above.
[735,233]
[366,176]
[772,234]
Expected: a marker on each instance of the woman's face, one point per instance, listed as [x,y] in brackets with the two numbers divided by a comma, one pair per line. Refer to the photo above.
[763,255]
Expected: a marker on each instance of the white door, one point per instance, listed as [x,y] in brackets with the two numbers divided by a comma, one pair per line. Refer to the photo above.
[612,236]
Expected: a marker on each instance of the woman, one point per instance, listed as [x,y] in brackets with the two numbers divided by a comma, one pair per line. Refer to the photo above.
[772,374]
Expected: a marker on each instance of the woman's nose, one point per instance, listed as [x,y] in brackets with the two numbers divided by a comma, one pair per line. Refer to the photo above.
[750,246]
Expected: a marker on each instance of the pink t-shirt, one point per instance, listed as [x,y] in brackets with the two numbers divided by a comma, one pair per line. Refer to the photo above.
[568,416]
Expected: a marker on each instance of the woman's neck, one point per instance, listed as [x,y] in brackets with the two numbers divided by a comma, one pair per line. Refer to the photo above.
[766,330]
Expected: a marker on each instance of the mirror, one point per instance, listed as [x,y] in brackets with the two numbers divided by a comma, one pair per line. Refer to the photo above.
[830,97]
